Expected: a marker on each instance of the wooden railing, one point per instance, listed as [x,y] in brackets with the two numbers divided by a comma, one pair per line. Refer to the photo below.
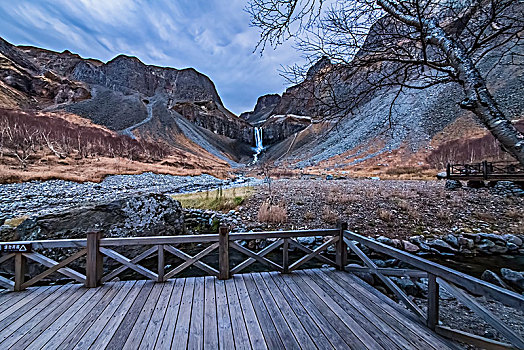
[94,248]
[485,171]
[454,282]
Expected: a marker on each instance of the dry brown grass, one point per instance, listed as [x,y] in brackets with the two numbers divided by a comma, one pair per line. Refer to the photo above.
[329,215]
[514,214]
[15,222]
[385,215]
[270,213]
[96,169]
[443,215]
[485,216]
[309,215]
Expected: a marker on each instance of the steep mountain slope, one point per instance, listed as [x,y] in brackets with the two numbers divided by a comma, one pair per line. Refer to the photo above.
[127,96]
[368,133]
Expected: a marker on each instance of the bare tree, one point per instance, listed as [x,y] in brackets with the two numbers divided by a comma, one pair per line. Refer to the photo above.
[409,44]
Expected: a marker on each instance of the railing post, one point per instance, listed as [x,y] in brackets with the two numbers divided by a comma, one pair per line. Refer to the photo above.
[342,249]
[161,263]
[223,253]
[285,256]
[20,267]
[485,169]
[448,170]
[94,260]
[433,301]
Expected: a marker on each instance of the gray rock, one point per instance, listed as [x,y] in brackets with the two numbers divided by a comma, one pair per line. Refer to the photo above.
[493,278]
[466,242]
[407,285]
[452,240]
[498,249]
[492,237]
[441,246]
[366,276]
[513,239]
[410,247]
[513,278]
[453,185]
[306,240]
[151,214]
[384,240]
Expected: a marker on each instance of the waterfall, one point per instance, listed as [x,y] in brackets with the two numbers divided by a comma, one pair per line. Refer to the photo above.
[258,143]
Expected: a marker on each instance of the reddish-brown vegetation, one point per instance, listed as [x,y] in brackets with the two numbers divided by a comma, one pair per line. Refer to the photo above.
[43,146]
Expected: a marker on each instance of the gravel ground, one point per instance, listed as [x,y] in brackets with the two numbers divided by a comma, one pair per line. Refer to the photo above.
[455,315]
[36,197]
[394,208]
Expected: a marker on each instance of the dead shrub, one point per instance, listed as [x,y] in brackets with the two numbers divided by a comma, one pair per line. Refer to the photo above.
[329,216]
[309,216]
[514,214]
[485,216]
[269,213]
[385,215]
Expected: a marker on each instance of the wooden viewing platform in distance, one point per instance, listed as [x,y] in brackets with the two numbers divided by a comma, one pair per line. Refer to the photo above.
[486,171]
[328,308]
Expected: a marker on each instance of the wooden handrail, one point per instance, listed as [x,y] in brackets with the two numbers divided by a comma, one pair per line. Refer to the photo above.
[180,239]
[470,283]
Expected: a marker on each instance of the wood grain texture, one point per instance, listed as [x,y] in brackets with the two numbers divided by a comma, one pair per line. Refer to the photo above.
[308,309]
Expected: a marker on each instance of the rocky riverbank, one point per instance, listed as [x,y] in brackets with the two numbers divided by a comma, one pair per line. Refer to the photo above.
[37,198]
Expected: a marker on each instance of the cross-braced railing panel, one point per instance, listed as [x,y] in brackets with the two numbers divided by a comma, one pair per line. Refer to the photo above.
[53,266]
[454,282]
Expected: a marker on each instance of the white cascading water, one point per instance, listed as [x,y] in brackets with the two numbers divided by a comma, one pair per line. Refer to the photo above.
[258,144]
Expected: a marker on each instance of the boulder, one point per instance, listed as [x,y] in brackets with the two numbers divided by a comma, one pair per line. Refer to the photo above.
[466,242]
[384,240]
[513,239]
[407,285]
[493,278]
[366,276]
[410,247]
[442,246]
[476,184]
[513,278]
[139,215]
[452,240]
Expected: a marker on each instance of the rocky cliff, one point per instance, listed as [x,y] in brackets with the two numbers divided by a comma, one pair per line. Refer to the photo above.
[263,109]
[367,132]
[180,108]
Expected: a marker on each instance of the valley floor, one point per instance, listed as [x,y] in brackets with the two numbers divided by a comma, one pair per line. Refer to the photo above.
[393,208]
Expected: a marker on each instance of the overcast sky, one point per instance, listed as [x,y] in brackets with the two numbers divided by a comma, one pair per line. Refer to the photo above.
[213,36]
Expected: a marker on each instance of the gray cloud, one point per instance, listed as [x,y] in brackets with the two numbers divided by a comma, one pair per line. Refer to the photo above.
[214,37]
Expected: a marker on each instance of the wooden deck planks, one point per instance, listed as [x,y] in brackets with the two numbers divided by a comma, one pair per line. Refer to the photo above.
[181,335]
[238,324]
[271,335]
[92,333]
[210,314]
[283,316]
[165,336]
[225,333]
[254,330]
[26,332]
[145,315]
[159,313]
[104,336]
[196,327]
[315,309]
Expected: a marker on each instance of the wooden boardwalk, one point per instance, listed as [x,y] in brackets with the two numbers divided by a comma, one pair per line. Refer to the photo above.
[310,309]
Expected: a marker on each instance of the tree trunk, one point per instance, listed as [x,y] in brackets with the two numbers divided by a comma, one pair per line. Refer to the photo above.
[478,98]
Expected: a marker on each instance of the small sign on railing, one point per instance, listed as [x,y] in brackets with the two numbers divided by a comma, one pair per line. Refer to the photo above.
[15,248]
